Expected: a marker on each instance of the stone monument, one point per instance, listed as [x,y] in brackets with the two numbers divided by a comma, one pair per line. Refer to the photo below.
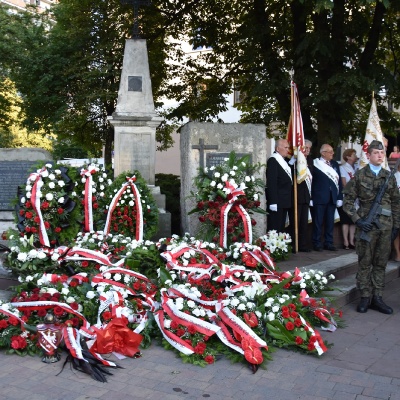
[207,144]
[135,120]
[15,167]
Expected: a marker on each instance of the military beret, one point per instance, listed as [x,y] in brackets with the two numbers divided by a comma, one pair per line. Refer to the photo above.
[375,145]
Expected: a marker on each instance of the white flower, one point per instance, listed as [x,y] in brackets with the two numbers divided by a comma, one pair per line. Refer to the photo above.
[179,306]
[49,196]
[232,173]
[213,183]
[117,277]
[191,304]
[32,253]
[317,277]
[61,183]
[64,291]
[55,256]
[258,313]
[241,307]
[275,309]
[29,278]
[22,257]
[52,177]
[331,276]
[107,275]
[41,255]
[28,195]
[270,316]
[70,300]
[217,174]
[61,200]
[52,291]
[57,171]
[303,285]
[90,294]
[224,177]
[167,323]
[45,173]
[255,197]
[220,186]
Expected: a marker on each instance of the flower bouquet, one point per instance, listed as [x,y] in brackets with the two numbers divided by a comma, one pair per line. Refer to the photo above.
[227,195]
[277,243]
[131,210]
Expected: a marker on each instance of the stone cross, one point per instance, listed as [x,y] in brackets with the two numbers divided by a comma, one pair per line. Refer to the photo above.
[136,4]
[201,147]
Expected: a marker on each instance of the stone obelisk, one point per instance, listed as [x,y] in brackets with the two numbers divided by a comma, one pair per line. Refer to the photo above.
[135,120]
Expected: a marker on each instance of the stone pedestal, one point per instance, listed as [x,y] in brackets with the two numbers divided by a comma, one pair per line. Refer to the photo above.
[204,143]
[135,122]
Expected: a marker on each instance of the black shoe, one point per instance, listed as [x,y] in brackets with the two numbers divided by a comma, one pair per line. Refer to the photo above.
[304,250]
[378,305]
[363,306]
[317,248]
[330,247]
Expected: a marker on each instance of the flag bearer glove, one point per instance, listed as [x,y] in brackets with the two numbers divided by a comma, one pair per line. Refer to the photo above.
[395,232]
[339,203]
[364,225]
[273,207]
[292,160]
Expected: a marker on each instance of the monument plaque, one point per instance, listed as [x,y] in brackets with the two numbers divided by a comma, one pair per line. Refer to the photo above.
[12,175]
[134,83]
[215,159]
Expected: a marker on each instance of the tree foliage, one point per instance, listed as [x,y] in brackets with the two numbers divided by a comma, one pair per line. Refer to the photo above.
[340,52]
[66,64]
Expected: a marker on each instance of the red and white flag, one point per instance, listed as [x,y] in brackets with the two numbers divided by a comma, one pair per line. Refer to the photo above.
[373,132]
[295,136]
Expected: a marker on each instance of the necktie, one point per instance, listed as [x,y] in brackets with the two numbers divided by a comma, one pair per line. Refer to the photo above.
[328,163]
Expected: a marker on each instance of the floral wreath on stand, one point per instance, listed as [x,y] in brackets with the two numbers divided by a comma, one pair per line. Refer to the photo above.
[131,210]
[227,195]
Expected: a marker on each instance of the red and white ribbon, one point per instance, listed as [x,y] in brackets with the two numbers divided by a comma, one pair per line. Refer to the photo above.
[138,202]
[223,236]
[87,202]
[35,200]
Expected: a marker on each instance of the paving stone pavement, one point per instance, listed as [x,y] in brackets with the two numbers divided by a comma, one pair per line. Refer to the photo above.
[362,364]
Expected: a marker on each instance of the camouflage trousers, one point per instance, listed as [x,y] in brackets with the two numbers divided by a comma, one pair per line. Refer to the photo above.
[372,259]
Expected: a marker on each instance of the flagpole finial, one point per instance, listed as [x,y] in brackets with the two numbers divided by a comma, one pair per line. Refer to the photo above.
[373,95]
[291,73]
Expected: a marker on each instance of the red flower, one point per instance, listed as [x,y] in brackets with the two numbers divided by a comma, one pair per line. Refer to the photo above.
[209,359]
[289,326]
[74,305]
[340,314]
[180,332]
[45,205]
[28,204]
[75,321]
[57,230]
[85,264]
[27,229]
[174,325]
[28,215]
[285,314]
[192,329]
[73,283]
[18,342]
[251,319]
[60,210]
[41,312]
[58,311]
[299,340]
[200,348]
[107,315]
[310,346]
[294,314]
[33,229]
[298,322]
[95,206]
[3,324]
[36,219]
[46,224]
[13,321]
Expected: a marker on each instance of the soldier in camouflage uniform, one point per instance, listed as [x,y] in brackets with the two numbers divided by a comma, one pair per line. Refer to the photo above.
[373,256]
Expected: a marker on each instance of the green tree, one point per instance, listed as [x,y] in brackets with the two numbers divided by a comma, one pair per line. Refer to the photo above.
[339,51]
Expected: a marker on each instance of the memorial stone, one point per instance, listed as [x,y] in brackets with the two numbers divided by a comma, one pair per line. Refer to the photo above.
[209,144]
[15,167]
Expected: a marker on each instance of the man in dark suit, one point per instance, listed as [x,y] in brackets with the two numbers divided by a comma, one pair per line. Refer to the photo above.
[303,203]
[326,194]
[279,187]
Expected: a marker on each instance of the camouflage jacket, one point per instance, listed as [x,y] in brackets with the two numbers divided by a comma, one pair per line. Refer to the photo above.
[364,187]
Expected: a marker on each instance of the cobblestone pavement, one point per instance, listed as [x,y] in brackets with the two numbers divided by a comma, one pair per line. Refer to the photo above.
[363,363]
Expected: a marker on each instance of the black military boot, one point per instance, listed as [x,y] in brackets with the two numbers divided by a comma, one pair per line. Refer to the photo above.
[378,305]
[363,305]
